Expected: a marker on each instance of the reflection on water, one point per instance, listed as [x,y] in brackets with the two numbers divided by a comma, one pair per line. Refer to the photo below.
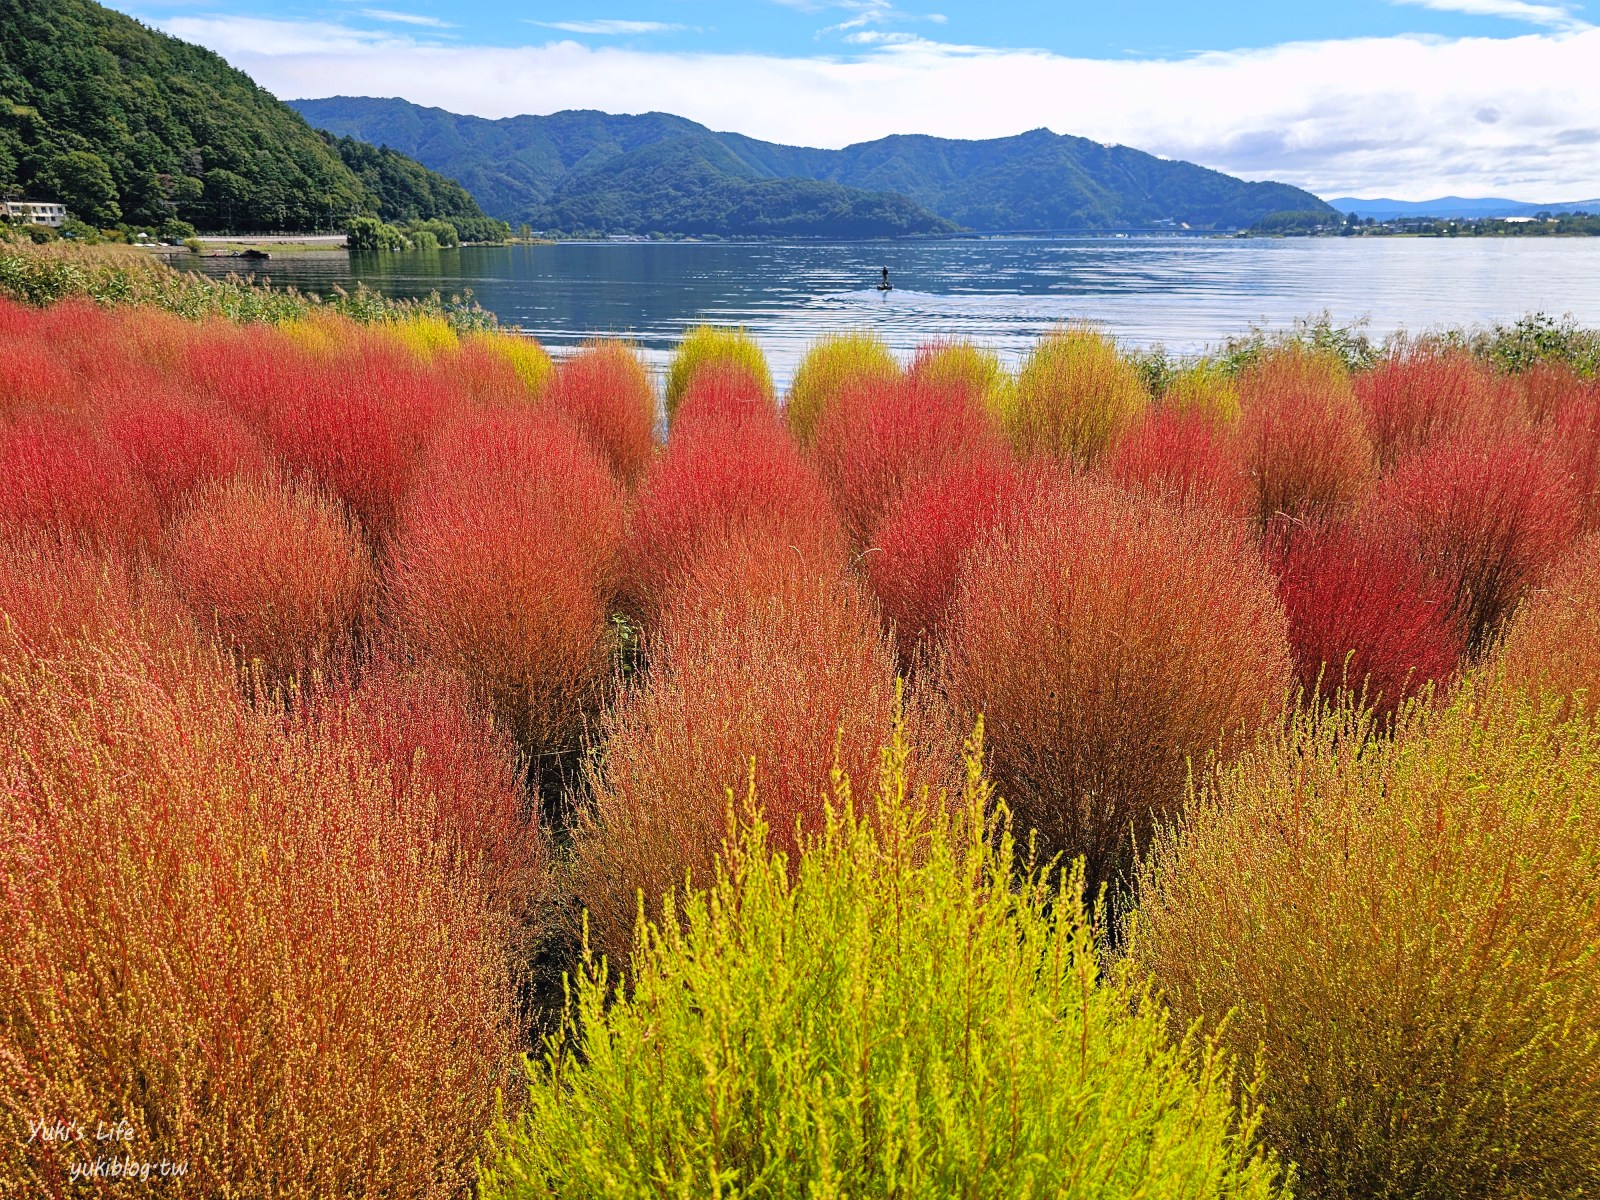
[1183,293]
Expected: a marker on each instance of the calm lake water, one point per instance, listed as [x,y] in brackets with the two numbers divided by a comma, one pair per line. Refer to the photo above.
[1183,293]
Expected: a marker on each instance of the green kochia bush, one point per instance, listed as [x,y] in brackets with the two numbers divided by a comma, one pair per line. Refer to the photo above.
[913,1015]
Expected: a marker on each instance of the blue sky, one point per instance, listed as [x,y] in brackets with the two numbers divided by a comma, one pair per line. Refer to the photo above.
[1410,98]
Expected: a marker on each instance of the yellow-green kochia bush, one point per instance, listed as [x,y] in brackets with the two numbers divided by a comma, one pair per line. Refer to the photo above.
[707,344]
[915,1014]
[1408,928]
[834,362]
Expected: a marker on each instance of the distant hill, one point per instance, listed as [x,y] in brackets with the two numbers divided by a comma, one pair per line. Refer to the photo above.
[124,124]
[593,171]
[1456,207]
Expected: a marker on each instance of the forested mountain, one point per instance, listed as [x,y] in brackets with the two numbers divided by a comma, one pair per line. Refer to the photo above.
[579,169]
[401,190]
[124,124]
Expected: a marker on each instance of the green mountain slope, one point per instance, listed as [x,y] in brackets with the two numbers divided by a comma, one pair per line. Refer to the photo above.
[579,166]
[124,124]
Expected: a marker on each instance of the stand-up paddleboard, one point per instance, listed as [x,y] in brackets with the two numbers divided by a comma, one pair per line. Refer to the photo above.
[886,287]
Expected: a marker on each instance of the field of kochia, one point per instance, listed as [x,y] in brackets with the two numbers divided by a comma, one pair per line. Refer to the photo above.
[427,770]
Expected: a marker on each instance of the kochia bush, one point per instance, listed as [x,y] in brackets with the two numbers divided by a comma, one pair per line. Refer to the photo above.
[906,1011]
[605,391]
[1552,646]
[1109,641]
[706,344]
[1405,929]
[836,361]
[1074,398]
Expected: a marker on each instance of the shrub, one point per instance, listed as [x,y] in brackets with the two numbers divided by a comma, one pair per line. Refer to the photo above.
[723,391]
[605,391]
[1364,614]
[274,570]
[1302,437]
[243,943]
[1546,388]
[876,441]
[710,344]
[1108,641]
[722,481]
[894,1014]
[922,543]
[1180,457]
[1488,516]
[1074,397]
[768,668]
[1574,442]
[1203,391]
[1552,646]
[57,477]
[1404,929]
[424,335]
[504,563]
[834,362]
[524,355]
[422,724]
[974,370]
[1418,395]
[177,444]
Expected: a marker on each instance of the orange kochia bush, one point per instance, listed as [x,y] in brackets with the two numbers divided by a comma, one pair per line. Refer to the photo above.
[1111,642]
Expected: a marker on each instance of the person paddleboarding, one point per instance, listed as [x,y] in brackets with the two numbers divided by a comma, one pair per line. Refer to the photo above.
[886,286]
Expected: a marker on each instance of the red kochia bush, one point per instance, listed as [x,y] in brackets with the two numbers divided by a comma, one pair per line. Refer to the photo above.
[1110,641]
[921,545]
[1302,436]
[723,391]
[275,570]
[1364,614]
[1487,516]
[1183,458]
[177,443]
[879,438]
[1418,395]
[766,666]
[504,563]
[605,391]
[1545,389]
[1574,441]
[422,723]
[55,476]
[357,423]
[726,481]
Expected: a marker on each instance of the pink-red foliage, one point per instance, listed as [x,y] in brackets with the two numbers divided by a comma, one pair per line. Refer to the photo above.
[504,565]
[726,481]
[57,477]
[273,569]
[880,438]
[1574,441]
[606,392]
[1552,646]
[1546,389]
[1418,395]
[724,391]
[1303,437]
[177,443]
[1183,458]
[921,545]
[1364,614]
[1110,641]
[1487,516]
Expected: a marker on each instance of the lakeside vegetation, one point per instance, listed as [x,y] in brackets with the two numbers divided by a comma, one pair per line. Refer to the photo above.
[1120,777]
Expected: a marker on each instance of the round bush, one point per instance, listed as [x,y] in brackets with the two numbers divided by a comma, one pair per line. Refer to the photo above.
[505,562]
[710,344]
[904,1012]
[834,362]
[606,391]
[1406,929]
[1181,457]
[1074,397]
[274,571]
[1109,641]
[1419,395]
[1303,437]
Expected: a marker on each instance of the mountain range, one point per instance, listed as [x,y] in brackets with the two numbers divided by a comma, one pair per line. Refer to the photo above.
[127,125]
[1449,207]
[587,171]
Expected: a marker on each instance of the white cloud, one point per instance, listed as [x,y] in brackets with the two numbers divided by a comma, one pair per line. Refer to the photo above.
[384,14]
[1411,117]
[1552,16]
[608,26]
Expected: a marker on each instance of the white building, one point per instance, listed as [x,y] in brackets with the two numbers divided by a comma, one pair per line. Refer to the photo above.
[36,212]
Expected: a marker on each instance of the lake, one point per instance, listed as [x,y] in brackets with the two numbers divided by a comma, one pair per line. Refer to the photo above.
[1179,292]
